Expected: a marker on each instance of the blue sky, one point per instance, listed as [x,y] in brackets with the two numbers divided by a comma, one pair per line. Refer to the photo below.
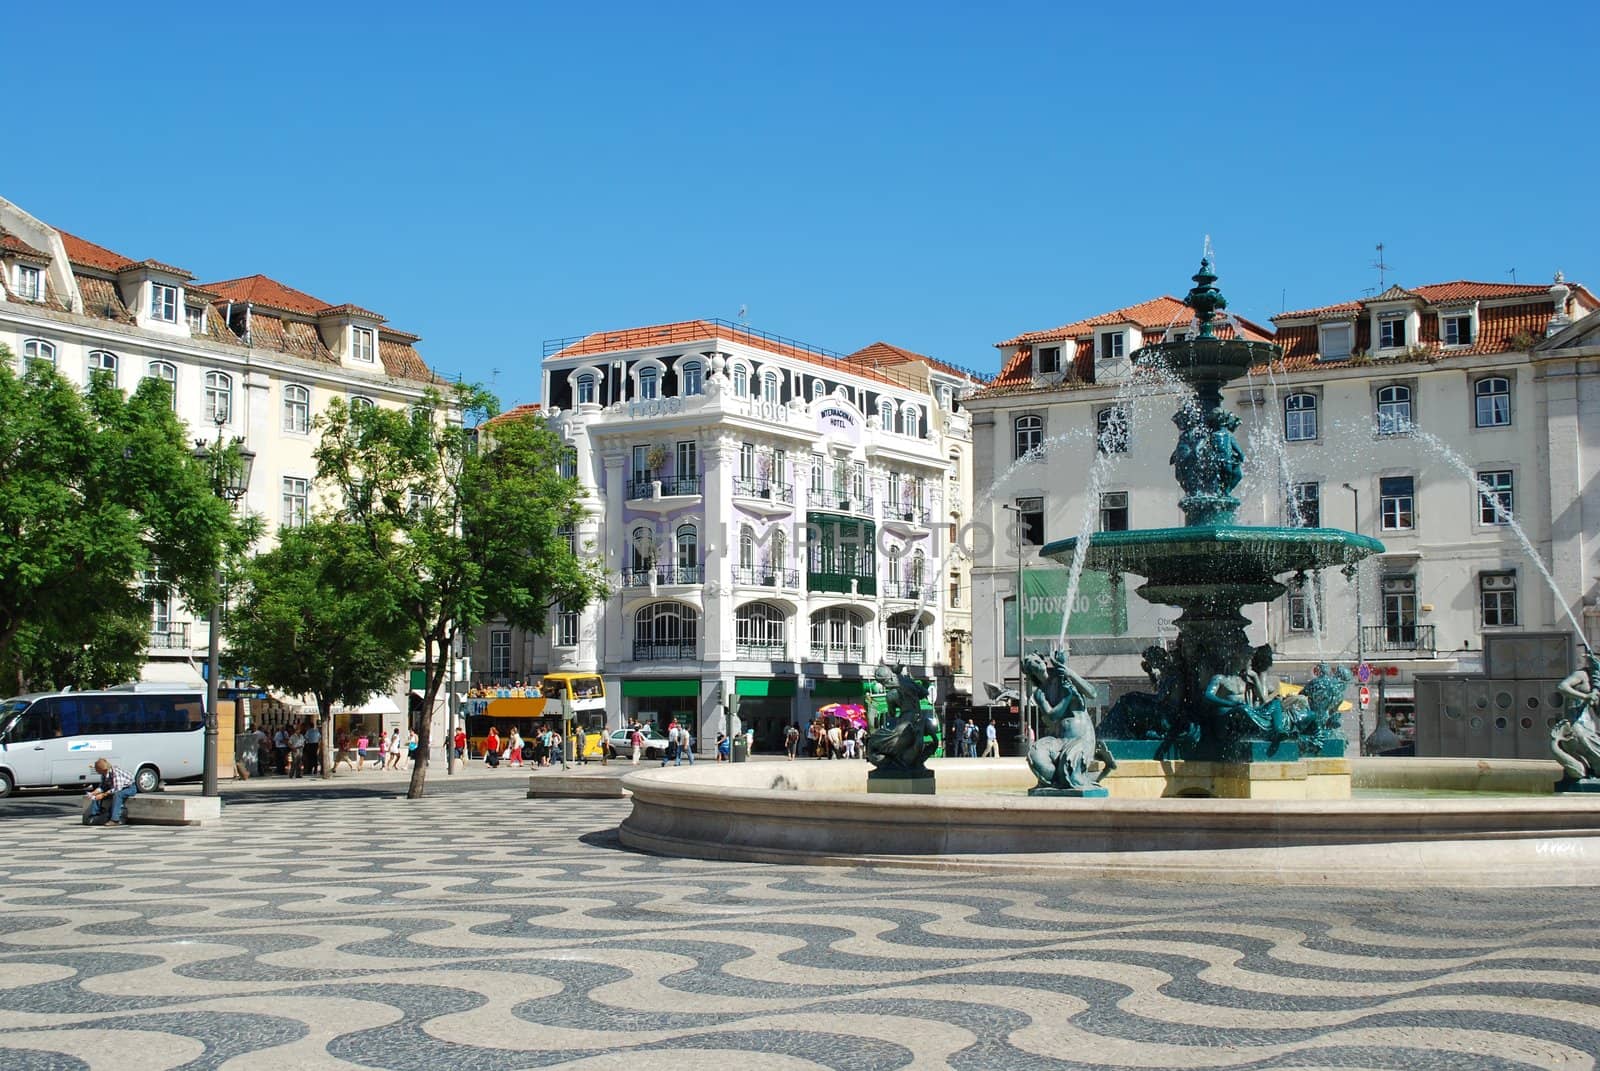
[937,175]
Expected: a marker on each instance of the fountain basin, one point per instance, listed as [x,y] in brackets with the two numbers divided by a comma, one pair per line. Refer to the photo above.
[1200,359]
[1216,553]
[819,812]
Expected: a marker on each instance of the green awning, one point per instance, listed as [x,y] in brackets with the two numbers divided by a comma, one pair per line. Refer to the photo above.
[843,689]
[772,687]
[659,689]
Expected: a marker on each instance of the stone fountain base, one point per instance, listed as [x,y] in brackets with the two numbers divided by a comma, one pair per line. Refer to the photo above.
[1302,779]
[901,782]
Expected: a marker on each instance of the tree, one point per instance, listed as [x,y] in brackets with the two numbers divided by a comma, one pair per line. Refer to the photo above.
[318,616]
[467,527]
[102,506]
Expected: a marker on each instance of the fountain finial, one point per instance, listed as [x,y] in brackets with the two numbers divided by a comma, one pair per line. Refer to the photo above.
[1205,299]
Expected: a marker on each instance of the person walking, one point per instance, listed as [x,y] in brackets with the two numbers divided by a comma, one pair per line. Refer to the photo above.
[636,742]
[361,751]
[515,751]
[280,744]
[991,746]
[685,745]
[461,742]
[722,748]
[116,785]
[411,746]
[341,752]
[671,750]
[297,752]
[580,744]
[791,741]
[394,749]
[313,737]
[491,748]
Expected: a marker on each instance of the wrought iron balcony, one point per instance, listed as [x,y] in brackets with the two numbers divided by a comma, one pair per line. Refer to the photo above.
[906,589]
[911,655]
[762,576]
[171,636]
[760,652]
[663,574]
[670,486]
[1405,638]
[763,488]
[663,652]
[838,652]
[912,514]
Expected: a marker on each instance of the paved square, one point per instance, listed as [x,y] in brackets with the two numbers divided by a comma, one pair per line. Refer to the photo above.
[476,929]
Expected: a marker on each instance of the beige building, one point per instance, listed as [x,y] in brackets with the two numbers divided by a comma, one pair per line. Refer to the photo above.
[1427,417]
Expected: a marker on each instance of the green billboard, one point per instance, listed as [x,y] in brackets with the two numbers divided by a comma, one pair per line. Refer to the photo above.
[1100,608]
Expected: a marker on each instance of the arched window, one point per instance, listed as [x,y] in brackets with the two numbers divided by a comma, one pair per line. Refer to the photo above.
[360,403]
[37,349]
[586,388]
[103,364]
[1492,397]
[769,386]
[1111,430]
[691,378]
[917,575]
[777,551]
[167,373]
[947,398]
[747,547]
[1029,436]
[296,409]
[838,635]
[649,383]
[688,545]
[1300,418]
[1394,410]
[665,630]
[885,414]
[911,420]
[819,390]
[907,638]
[218,406]
[892,567]
[642,548]
[741,381]
[758,630]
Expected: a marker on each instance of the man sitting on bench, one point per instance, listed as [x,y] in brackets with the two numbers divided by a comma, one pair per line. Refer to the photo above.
[116,785]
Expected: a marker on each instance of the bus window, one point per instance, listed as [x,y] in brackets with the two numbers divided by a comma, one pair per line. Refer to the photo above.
[587,687]
[553,688]
[38,722]
[190,714]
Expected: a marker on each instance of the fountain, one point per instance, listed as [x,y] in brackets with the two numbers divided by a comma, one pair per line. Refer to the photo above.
[1209,706]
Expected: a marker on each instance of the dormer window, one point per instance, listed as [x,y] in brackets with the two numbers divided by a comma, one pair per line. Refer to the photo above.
[769,387]
[196,315]
[1392,331]
[1335,341]
[586,388]
[648,383]
[691,378]
[1047,361]
[30,283]
[1455,328]
[361,345]
[1113,344]
[818,390]
[164,303]
[741,381]
[885,414]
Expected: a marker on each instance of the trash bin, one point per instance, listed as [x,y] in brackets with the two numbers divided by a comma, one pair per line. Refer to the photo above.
[741,751]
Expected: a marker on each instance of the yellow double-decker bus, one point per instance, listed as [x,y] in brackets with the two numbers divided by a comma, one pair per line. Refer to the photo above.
[584,696]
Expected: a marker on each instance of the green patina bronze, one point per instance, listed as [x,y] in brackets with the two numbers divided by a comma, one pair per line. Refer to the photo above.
[1209,700]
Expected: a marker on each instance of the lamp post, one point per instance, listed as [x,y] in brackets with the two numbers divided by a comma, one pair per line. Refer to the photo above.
[230,478]
[1355,578]
[1022,643]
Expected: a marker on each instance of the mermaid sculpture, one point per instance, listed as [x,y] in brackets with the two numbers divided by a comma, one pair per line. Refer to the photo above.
[1061,758]
[1575,741]
[909,734]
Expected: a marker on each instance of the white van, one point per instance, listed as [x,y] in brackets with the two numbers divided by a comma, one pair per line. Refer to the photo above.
[154,731]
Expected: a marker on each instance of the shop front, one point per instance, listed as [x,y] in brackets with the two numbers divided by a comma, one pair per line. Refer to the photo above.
[658,702]
[766,706]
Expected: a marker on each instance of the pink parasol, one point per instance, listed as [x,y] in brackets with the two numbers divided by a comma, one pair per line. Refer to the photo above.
[854,713]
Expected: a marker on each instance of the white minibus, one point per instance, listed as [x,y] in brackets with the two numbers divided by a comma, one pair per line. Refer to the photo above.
[154,731]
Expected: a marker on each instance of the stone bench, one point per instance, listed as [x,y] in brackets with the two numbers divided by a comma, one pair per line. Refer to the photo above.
[576,786]
[164,809]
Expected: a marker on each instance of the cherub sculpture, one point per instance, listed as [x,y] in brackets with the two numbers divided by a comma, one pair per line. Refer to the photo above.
[909,734]
[1062,757]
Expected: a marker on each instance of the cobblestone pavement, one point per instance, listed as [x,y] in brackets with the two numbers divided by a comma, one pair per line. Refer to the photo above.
[480,930]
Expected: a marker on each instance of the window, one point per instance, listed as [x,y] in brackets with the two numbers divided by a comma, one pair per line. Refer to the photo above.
[1111,430]
[500,654]
[649,383]
[642,547]
[907,635]
[1029,437]
[1030,515]
[1456,328]
[1114,511]
[196,316]
[361,403]
[1391,332]
[1492,402]
[566,627]
[819,389]
[296,409]
[1112,344]
[1336,340]
[166,373]
[586,384]
[361,348]
[687,457]
[911,420]
[164,303]
[1396,503]
[1494,497]
[741,381]
[688,542]
[955,589]
[1305,603]
[218,408]
[838,635]
[1400,610]
[665,630]
[1394,410]
[104,365]
[947,398]
[747,461]
[816,476]
[1300,418]
[758,630]
[691,378]
[885,414]
[1047,361]
[418,502]
[296,501]
[37,349]
[569,464]
[30,283]
[769,387]
[1497,596]
[567,534]
[1305,505]
[917,575]
[642,472]
[747,547]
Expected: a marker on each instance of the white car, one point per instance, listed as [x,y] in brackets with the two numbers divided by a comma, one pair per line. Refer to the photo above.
[654,742]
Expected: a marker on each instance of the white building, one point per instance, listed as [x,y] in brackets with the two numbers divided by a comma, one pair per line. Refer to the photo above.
[776,519]
[1381,418]
[251,357]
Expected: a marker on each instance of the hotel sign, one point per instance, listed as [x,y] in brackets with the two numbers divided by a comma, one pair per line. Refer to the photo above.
[835,419]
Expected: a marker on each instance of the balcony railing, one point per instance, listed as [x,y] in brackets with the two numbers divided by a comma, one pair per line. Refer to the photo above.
[834,501]
[910,655]
[173,636]
[761,576]
[663,652]
[670,486]
[760,652]
[838,652]
[1416,639]
[905,589]
[663,574]
[767,489]
[913,513]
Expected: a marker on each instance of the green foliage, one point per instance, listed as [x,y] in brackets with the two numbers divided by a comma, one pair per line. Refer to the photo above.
[467,528]
[102,505]
[318,616]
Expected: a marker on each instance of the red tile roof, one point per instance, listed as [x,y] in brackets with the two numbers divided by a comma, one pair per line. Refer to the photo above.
[881,355]
[86,253]
[260,290]
[1432,294]
[529,408]
[12,244]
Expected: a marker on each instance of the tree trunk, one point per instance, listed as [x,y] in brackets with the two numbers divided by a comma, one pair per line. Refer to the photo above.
[325,719]
[433,676]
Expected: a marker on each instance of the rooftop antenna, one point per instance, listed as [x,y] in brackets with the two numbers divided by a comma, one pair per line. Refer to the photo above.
[1381,266]
[1513,274]
[744,315]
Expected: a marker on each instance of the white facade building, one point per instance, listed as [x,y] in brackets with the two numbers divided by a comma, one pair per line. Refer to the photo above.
[1383,417]
[775,519]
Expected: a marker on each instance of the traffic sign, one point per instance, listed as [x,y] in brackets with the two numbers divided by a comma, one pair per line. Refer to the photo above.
[1364,672]
[1366,697]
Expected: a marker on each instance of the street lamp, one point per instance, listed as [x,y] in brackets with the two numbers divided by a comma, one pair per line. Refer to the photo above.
[230,478]
[1022,643]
